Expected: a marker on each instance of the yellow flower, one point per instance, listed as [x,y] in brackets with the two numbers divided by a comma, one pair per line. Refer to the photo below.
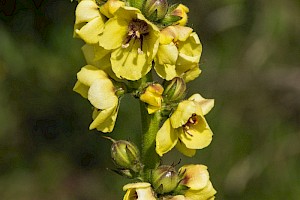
[186,128]
[133,41]
[196,178]
[181,11]
[110,7]
[89,21]
[153,97]
[95,85]
[138,191]
[178,54]
[177,197]
[98,57]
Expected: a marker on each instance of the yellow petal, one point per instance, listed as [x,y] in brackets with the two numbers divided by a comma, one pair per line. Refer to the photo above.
[94,54]
[166,138]
[191,74]
[184,150]
[81,89]
[206,104]
[90,31]
[115,30]
[182,113]
[197,136]
[189,50]
[86,11]
[167,54]
[165,71]
[129,63]
[102,95]
[196,177]
[206,193]
[104,120]
[136,185]
[110,7]
[183,32]
[143,191]
[167,35]
[177,197]
[88,74]
[152,109]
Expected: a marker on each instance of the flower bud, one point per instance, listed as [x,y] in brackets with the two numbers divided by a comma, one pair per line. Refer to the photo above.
[126,155]
[181,11]
[176,15]
[175,89]
[153,95]
[155,10]
[164,179]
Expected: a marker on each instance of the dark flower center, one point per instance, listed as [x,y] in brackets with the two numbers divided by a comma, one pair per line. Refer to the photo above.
[137,30]
[193,120]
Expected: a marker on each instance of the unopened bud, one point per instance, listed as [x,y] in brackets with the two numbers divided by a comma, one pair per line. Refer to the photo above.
[176,15]
[175,89]
[164,179]
[181,11]
[153,95]
[125,155]
[155,10]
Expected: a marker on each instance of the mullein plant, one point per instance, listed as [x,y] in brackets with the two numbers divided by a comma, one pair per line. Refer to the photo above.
[126,43]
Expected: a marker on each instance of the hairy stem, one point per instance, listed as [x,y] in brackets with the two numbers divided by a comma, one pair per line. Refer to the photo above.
[150,126]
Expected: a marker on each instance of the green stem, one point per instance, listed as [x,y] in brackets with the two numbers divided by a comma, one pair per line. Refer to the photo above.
[150,126]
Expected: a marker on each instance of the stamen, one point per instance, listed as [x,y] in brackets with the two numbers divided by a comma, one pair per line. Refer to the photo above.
[140,51]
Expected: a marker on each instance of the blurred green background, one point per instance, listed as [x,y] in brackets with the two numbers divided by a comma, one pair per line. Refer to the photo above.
[250,66]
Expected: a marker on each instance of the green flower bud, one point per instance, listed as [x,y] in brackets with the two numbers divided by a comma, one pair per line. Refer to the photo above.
[175,89]
[155,10]
[125,155]
[164,179]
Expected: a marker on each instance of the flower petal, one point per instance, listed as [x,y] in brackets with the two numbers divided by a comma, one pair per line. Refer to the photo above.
[90,31]
[81,89]
[115,30]
[129,63]
[196,177]
[197,136]
[102,95]
[167,54]
[206,104]
[165,71]
[88,74]
[206,193]
[184,150]
[189,50]
[166,138]
[182,113]
[104,120]
[191,74]
[86,11]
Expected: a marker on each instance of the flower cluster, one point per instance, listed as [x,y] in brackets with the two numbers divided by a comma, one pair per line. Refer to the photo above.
[126,42]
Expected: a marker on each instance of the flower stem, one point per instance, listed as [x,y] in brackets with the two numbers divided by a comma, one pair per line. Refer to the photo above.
[150,126]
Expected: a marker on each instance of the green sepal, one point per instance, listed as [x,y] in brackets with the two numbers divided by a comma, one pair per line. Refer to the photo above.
[136,3]
[170,19]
